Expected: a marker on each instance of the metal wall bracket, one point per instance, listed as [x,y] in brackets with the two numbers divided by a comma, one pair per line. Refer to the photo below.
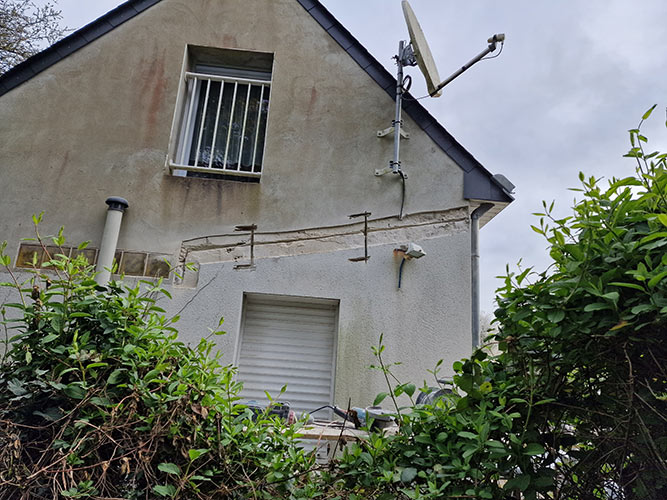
[365,258]
[252,228]
[379,172]
[390,130]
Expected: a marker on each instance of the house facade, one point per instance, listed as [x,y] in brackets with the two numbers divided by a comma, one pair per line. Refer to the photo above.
[244,136]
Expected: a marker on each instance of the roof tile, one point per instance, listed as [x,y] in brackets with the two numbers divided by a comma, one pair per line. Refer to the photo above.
[323,17]
[308,4]
[342,36]
[95,30]
[361,55]
[123,13]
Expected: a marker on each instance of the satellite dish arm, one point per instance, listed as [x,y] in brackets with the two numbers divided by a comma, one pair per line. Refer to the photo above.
[492,46]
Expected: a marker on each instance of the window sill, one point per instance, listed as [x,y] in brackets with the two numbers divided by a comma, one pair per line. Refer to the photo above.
[177,170]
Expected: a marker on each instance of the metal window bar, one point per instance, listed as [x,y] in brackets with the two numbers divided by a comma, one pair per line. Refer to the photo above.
[229,126]
[245,121]
[190,136]
[203,121]
[259,119]
[215,128]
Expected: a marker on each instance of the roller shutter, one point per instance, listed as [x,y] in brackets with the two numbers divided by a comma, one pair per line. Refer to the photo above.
[290,341]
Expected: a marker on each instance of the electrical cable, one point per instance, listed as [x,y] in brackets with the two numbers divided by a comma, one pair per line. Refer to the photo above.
[502,44]
[400,273]
[400,214]
[321,408]
[416,98]
[406,87]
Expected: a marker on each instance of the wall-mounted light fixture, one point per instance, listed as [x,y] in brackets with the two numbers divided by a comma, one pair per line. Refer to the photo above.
[408,252]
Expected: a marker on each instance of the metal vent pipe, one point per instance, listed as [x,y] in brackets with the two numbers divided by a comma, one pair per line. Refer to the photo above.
[117,207]
[474,266]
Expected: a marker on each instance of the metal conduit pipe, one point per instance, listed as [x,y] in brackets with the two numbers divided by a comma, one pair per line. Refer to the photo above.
[474,257]
[107,251]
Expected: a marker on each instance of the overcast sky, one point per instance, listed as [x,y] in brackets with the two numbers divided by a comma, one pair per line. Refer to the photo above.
[574,76]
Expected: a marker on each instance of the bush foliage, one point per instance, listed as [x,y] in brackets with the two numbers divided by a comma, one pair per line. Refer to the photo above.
[575,405]
[98,398]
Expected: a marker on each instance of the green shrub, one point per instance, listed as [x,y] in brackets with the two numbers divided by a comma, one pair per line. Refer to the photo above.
[575,405]
[98,399]
[591,334]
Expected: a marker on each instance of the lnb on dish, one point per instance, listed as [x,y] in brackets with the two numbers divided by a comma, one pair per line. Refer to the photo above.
[500,37]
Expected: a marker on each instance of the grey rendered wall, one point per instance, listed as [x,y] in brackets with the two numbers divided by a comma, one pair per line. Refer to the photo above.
[98,124]
[422,322]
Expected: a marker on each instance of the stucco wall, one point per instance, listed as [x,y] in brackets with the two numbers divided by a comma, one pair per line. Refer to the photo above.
[427,319]
[422,322]
[98,123]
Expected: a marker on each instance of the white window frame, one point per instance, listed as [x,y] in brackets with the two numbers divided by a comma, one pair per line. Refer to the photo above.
[185,118]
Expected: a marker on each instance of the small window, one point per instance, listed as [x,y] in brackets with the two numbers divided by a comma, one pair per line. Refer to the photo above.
[225,106]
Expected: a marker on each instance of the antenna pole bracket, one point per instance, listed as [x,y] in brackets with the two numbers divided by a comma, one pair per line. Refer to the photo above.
[390,130]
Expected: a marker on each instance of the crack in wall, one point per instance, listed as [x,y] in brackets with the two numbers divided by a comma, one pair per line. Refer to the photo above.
[225,248]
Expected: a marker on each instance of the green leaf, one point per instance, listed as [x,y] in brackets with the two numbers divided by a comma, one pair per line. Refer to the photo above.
[663,218]
[115,376]
[648,113]
[596,306]
[16,387]
[467,435]
[75,391]
[409,389]
[49,338]
[51,414]
[96,365]
[556,316]
[196,453]
[379,398]
[36,219]
[408,474]
[641,308]
[520,482]
[628,285]
[657,279]
[166,490]
[532,449]
[169,468]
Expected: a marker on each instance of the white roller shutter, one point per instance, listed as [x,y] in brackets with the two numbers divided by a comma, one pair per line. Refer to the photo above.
[288,341]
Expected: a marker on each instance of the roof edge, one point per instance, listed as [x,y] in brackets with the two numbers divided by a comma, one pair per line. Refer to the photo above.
[80,38]
[477,186]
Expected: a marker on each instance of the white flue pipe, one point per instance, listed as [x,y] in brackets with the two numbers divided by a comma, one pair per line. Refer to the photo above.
[107,251]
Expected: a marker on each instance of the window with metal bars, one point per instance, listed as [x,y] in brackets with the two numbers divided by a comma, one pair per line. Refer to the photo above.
[223,122]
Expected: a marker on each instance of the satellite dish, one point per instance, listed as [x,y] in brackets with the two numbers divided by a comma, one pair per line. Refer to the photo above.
[422,51]
[418,53]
